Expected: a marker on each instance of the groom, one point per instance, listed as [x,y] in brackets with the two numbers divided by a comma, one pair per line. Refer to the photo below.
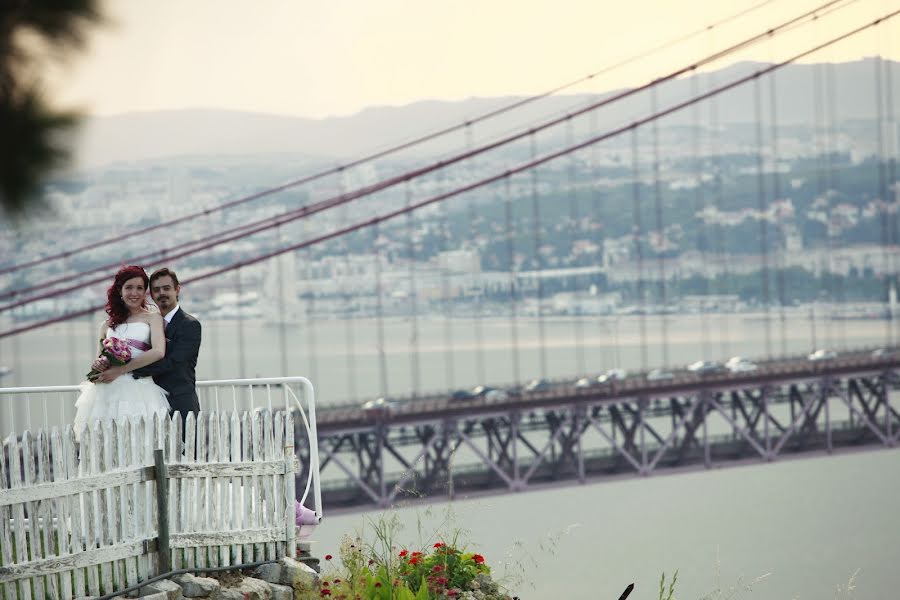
[176,372]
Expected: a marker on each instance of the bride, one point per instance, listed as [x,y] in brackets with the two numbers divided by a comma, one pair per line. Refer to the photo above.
[116,394]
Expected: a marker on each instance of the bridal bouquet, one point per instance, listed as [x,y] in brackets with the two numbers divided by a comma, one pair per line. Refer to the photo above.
[115,352]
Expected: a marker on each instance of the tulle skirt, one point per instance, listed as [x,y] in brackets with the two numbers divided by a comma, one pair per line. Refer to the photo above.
[124,398]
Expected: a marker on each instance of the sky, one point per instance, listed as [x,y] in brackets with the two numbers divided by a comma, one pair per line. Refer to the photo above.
[332,58]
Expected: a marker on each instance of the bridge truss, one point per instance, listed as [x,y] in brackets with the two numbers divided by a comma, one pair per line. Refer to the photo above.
[582,438]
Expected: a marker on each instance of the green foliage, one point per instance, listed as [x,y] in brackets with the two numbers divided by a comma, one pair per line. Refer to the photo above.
[35,135]
[385,570]
[663,593]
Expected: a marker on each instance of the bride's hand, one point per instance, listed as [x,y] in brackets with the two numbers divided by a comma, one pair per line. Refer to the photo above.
[99,365]
[109,375]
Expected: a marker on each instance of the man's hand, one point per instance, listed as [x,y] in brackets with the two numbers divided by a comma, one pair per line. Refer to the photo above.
[109,375]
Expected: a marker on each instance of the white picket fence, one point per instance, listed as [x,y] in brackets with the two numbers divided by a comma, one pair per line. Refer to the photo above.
[82,519]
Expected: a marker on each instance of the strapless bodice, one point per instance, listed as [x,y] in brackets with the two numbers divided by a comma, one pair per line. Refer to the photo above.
[137,335]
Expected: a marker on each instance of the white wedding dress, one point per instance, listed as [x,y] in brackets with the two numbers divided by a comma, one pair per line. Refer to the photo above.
[126,397]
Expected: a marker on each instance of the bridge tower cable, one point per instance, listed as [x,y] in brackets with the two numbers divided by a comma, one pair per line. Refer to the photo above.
[510,236]
[596,225]
[538,264]
[575,231]
[414,359]
[701,239]
[883,190]
[241,339]
[661,238]
[383,382]
[725,285]
[283,317]
[834,173]
[827,193]
[446,299]
[347,287]
[474,240]
[778,249]
[637,235]
[310,316]
[763,211]
[894,187]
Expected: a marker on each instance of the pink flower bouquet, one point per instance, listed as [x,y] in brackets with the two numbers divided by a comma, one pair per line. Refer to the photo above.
[115,352]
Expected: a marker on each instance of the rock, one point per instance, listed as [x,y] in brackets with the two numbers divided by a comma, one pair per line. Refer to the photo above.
[193,586]
[289,571]
[156,596]
[248,589]
[281,592]
[171,590]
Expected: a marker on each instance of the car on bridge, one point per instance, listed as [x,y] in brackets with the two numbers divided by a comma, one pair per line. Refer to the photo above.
[660,375]
[537,385]
[612,375]
[378,406]
[489,393]
[586,382]
[822,354]
[706,367]
[737,364]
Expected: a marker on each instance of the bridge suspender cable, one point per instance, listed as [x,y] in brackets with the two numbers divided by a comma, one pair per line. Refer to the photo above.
[174,253]
[393,149]
[494,178]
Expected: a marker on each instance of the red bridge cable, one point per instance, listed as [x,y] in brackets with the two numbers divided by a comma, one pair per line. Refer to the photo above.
[494,178]
[391,150]
[311,209]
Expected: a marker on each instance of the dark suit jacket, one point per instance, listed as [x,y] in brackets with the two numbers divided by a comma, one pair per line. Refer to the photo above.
[176,372]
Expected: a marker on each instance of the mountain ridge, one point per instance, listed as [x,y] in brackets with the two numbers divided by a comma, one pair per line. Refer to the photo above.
[155,135]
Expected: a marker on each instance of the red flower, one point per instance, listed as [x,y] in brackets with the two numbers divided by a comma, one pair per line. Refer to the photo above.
[325,592]
[439,545]
[403,553]
[371,561]
[479,559]
[414,560]
[451,593]
[377,584]
[328,557]
[417,554]
[325,583]
[337,580]
[437,569]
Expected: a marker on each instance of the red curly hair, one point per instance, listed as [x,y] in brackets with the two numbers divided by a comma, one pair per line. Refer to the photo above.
[115,306]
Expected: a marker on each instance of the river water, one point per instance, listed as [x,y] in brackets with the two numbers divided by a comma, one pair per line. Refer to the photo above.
[809,524]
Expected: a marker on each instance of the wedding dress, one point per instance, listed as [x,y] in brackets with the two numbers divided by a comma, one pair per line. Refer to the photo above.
[125,397]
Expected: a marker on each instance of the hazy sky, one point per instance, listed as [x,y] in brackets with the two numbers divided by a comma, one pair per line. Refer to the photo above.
[335,57]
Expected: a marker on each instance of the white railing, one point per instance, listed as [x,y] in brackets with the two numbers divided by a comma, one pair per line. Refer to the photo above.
[84,518]
[41,408]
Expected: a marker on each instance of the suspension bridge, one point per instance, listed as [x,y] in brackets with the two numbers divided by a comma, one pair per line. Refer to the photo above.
[723,208]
